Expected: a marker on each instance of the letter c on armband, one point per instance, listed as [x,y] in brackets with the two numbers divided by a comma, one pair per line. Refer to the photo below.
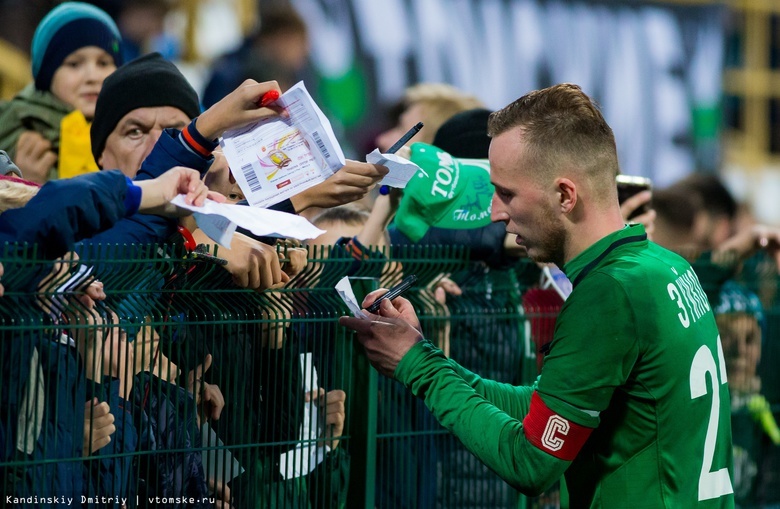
[553,433]
[556,425]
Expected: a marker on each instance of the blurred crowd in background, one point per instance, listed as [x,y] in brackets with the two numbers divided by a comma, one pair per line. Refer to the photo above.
[141,86]
[656,68]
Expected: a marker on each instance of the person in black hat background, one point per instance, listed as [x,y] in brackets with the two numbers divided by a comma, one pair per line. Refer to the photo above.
[148,120]
[75,47]
[137,103]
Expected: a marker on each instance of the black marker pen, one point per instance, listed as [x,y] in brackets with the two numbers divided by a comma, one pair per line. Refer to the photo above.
[406,137]
[383,190]
[393,292]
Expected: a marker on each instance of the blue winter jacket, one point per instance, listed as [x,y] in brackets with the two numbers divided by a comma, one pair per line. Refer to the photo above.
[167,153]
[65,211]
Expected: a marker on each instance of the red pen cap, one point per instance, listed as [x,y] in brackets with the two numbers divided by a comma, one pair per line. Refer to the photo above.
[189,240]
[268,98]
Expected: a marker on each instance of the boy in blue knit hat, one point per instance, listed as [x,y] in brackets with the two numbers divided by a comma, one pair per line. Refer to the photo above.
[75,47]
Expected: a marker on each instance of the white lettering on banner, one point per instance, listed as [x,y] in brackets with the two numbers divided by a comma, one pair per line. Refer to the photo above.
[556,426]
[469,44]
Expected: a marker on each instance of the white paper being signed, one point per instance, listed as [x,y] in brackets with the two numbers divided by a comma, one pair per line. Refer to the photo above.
[344,289]
[401,170]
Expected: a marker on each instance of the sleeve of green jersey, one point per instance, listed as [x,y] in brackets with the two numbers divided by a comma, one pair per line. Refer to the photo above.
[483,414]
[593,351]
[512,399]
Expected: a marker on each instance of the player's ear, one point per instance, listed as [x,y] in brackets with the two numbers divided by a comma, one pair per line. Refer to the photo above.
[567,194]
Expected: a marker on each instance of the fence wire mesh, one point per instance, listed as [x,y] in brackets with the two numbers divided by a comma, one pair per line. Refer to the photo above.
[165,384]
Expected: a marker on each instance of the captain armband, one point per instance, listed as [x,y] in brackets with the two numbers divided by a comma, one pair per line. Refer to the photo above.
[553,433]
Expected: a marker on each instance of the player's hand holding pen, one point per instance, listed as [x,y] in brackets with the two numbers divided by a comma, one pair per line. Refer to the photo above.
[389,303]
[393,292]
[388,335]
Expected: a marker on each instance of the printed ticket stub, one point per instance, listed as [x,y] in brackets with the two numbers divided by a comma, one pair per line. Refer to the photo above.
[278,157]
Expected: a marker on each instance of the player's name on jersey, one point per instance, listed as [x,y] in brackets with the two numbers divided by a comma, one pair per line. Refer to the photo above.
[687,292]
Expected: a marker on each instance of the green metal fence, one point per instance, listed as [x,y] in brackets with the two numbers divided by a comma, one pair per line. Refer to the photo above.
[173,337]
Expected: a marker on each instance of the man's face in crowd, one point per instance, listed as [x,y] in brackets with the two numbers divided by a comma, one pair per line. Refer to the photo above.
[135,135]
[528,208]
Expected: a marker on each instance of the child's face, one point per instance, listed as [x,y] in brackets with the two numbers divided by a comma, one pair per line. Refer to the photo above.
[80,77]
[220,179]
[740,335]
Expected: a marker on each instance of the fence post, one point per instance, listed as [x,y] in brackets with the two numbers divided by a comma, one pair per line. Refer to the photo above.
[363,418]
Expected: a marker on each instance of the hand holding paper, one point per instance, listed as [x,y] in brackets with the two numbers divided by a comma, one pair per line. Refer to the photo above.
[157,195]
[237,109]
[279,157]
[401,170]
[221,219]
[351,183]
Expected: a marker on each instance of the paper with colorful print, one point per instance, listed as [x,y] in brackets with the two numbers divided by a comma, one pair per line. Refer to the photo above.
[277,158]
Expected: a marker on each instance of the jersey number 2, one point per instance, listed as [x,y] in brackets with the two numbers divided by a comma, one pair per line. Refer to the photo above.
[711,484]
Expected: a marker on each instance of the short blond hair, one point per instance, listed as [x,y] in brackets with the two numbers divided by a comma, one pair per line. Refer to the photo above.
[440,101]
[15,194]
[563,127]
[347,214]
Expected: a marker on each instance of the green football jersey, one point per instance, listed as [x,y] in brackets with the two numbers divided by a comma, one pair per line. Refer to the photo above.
[636,354]
[632,404]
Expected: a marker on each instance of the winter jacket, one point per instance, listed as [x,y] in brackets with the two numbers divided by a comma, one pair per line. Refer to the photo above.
[112,476]
[166,420]
[52,432]
[32,110]
[65,211]
[167,153]
[263,405]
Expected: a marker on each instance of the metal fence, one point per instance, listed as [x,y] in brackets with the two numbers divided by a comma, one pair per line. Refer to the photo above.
[111,402]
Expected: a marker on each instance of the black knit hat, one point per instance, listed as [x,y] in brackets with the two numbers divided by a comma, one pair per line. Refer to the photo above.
[147,82]
[465,135]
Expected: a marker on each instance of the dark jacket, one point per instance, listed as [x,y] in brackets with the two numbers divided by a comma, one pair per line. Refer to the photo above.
[165,414]
[50,426]
[263,406]
[167,153]
[65,211]
[57,445]
[112,476]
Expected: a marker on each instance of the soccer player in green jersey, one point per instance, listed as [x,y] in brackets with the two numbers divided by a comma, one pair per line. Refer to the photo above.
[632,404]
